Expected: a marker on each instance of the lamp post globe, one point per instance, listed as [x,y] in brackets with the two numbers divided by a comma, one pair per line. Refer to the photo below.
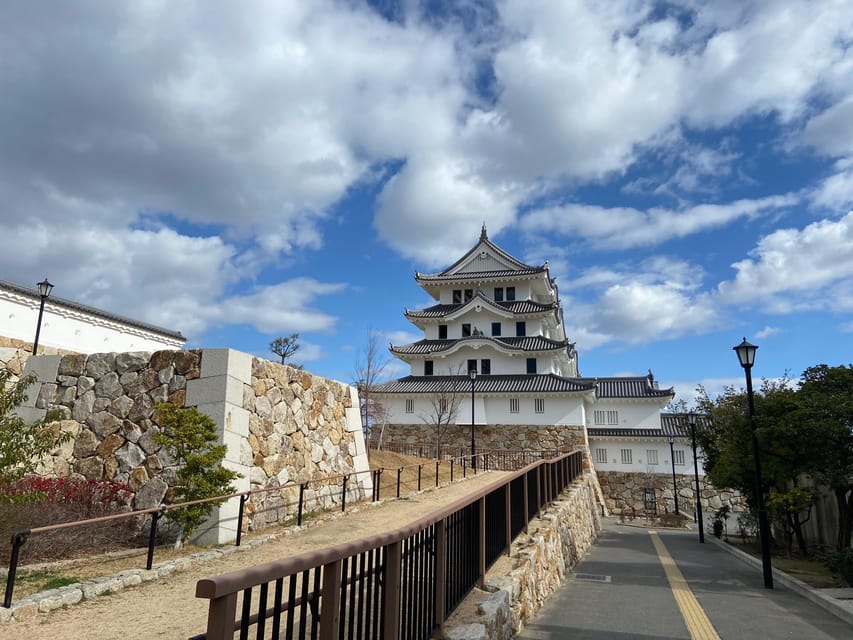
[746,356]
[44,289]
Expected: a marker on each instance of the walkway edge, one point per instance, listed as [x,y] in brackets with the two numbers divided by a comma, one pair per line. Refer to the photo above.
[828,603]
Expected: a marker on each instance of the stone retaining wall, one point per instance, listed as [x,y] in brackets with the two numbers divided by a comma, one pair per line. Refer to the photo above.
[518,586]
[279,425]
[14,354]
[624,493]
[488,436]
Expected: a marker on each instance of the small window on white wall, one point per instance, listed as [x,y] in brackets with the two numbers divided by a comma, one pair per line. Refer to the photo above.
[627,456]
[601,455]
[514,405]
[410,405]
[606,417]
[442,406]
[612,417]
[652,456]
[539,405]
[679,457]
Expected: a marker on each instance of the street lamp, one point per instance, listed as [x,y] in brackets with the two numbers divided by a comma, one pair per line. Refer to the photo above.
[692,421]
[746,355]
[672,460]
[44,291]
[473,375]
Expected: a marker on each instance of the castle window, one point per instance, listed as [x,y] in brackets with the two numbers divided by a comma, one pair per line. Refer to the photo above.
[652,456]
[606,417]
[531,365]
[601,455]
[427,367]
[521,328]
[499,294]
[513,405]
[410,405]
[627,456]
[485,366]
[466,330]
[457,296]
[442,406]
[679,457]
[510,294]
[539,405]
[472,365]
[442,332]
[496,328]
[469,293]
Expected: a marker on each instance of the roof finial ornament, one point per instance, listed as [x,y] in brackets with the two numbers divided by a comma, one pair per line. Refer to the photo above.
[483,234]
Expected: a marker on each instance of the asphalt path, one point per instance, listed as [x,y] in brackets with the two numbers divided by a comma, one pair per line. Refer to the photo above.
[658,584]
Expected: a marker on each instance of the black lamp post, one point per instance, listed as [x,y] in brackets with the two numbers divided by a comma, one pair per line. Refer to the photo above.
[746,355]
[692,420]
[473,375]
[672,460]
[44,291]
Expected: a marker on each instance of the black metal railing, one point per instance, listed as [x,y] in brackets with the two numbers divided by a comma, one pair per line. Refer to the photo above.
[398,585]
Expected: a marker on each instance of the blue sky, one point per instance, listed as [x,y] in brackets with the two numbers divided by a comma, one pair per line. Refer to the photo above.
[241,171]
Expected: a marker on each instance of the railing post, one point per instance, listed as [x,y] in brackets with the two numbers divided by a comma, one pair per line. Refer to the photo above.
[152,537]
[220,617]
[243,499]
[420,466]
[330,603]
[301,501]
[18,539]
[376,485]
[344,494]
[399,474]
[391,593]
[508,508]
[451,469]
[437,464]
[526,505]
[440,571]
[482,543]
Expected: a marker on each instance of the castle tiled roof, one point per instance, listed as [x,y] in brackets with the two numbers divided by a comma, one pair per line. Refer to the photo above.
[512,383]
[523,343]
[516,307]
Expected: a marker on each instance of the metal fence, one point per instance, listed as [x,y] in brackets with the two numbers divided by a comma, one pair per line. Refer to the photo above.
[398,585]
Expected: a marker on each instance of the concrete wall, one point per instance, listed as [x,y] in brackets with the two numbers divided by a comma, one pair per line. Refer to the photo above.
[278,424]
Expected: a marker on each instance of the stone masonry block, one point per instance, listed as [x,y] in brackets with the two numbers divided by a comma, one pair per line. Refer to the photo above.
[216,362]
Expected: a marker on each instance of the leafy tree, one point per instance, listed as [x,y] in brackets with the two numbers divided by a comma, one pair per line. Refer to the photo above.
[22,445]
[284,347]
[826,411]
[190,438]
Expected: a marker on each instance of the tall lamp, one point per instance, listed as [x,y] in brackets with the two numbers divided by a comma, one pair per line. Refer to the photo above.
[672,461]
[44,288]
[473,375]
[746,355]
[692,421]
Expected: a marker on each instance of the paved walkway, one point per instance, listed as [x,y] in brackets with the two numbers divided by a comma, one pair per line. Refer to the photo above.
[641,583]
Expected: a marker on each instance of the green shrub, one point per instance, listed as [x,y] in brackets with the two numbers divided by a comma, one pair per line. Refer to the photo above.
[190,438]
[841,563]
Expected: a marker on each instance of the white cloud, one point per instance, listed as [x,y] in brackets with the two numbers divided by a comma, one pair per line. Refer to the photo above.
[836,192]
[795,269]
[831,132]
[767,331]
[624,227]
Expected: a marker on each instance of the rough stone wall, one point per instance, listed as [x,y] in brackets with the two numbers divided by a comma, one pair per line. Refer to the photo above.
[513,592]
[624,493]
[298,432]
[279,425]
[14,354]
[492,436]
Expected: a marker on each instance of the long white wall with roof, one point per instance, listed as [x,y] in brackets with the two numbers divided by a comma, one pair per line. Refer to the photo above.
[67,328]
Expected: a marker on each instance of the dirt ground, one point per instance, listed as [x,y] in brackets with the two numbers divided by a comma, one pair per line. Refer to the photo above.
[168,608]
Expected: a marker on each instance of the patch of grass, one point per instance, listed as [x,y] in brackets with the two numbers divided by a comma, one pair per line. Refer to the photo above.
[810,570]
[30,583]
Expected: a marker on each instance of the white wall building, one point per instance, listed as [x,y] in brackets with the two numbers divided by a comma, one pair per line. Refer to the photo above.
[502,319]
[71,326]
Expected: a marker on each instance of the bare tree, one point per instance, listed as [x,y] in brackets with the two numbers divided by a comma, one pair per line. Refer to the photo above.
[370,364]
[284,347]
[444,405]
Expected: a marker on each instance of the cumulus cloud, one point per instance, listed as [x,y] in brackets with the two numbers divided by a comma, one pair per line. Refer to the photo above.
[626,227]
[796,269]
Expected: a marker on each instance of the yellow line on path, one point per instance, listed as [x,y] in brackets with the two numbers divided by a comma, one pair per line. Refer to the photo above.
[697,622]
